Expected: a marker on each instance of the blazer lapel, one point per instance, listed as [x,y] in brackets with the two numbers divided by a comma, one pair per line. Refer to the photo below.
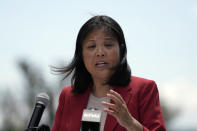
[111,121]
[77,104]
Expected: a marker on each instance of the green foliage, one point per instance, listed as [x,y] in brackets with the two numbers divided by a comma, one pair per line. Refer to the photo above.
[17,113]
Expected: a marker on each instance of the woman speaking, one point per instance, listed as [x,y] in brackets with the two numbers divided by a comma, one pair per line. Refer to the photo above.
[102,80]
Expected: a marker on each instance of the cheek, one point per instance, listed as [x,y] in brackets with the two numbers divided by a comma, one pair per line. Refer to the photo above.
[115,56]
[87,60]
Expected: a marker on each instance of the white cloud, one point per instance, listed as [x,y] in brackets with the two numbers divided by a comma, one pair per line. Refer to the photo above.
[9,73]
[181,93]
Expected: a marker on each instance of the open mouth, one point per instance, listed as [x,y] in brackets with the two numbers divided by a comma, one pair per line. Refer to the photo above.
[101,64]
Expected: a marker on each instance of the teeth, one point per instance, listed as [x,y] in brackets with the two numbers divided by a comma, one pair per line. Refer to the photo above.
[100,63]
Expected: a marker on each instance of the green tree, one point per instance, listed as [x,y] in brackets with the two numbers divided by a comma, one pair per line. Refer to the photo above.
[13,118]
[34,83]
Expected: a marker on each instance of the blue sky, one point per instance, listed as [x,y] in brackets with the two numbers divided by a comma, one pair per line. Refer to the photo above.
[160,35]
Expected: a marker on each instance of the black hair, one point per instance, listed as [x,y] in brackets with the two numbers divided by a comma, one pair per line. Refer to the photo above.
[81,78]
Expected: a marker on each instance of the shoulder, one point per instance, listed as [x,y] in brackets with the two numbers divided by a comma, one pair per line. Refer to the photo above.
[66,91]
[140,80]
[142,84]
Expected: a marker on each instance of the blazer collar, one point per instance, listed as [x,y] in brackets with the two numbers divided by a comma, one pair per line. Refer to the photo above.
[79,102]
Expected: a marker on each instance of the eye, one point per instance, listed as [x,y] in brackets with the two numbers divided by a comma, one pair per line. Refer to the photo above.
[109,45]
[91,46]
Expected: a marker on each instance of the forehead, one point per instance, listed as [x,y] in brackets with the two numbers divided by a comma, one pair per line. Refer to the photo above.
[99,34]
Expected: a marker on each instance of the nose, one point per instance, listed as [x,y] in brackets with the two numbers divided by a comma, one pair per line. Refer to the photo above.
[100,52]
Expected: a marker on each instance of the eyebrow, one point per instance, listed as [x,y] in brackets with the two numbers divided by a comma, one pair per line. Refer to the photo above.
[108,38]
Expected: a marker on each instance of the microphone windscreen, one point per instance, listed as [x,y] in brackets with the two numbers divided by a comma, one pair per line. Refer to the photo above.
[43,99]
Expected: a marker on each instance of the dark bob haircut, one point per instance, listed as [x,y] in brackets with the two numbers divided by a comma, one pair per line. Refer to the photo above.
[81,79]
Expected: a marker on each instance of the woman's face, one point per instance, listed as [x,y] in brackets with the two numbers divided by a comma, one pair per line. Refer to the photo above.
[101,54]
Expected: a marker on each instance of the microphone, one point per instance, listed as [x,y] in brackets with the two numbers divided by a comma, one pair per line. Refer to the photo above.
[91,119]
[42,100]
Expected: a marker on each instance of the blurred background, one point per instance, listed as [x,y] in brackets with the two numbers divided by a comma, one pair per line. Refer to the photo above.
[161,38]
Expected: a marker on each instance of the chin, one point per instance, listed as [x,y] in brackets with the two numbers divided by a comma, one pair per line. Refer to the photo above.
[104,76]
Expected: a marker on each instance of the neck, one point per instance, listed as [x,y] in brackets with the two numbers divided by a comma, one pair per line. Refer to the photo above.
[100,89]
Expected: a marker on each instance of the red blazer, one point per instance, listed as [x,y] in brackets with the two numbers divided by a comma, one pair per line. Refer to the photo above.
[141,97]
